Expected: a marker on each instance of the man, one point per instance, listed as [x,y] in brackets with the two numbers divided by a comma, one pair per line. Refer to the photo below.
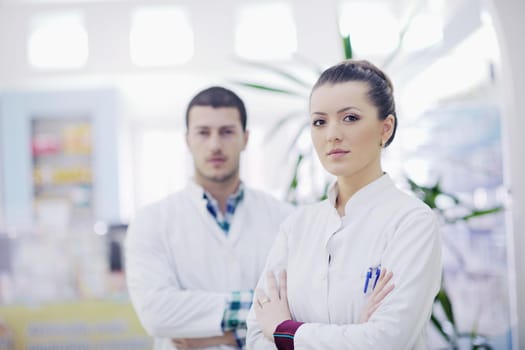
[193,258]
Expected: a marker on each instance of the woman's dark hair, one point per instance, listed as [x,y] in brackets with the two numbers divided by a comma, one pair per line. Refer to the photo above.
[381,91]
[216,97]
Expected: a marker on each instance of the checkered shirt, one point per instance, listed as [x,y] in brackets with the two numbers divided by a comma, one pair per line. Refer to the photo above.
[224,220]
[235,314]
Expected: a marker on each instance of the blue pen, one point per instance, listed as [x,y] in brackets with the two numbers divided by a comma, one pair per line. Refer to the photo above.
[378,272]
[368,277]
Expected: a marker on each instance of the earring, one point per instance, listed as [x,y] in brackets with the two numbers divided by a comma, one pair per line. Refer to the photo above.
[381,144]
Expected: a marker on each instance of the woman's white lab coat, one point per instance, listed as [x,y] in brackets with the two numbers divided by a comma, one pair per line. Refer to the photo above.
[180,265]
[327,258]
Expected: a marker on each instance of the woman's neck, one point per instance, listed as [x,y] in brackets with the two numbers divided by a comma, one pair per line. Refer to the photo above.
[348,185]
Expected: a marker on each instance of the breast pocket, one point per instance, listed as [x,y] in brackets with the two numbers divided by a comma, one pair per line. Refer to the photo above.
[354,289]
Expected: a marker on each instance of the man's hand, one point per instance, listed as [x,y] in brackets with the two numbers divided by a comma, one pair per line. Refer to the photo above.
[272,309]
[194,343]
[380,292]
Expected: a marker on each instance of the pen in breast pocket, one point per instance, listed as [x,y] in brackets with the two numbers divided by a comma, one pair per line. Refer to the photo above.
[377,270]
[378,273]
[368,277]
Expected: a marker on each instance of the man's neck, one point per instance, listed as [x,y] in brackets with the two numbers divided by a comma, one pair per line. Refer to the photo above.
[221,191]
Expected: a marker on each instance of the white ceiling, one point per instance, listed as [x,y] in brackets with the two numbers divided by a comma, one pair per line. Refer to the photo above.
[214,60]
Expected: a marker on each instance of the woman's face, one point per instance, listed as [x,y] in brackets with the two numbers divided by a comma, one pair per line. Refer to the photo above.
[346,130]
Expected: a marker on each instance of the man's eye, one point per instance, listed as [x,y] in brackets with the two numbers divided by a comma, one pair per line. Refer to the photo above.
[350,118]
[318,122]
[227,132]
[203,133]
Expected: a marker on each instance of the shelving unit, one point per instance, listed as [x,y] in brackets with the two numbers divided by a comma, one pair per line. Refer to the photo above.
[62,152]
[61,126]
[63,180]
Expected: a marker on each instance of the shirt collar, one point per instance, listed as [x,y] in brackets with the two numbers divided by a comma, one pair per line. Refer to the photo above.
[233,199]
[223,219]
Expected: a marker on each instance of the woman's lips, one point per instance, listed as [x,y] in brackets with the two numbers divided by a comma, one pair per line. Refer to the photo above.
[337,153]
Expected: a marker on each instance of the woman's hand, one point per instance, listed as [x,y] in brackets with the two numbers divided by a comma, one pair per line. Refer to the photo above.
[380,292]
[272,309]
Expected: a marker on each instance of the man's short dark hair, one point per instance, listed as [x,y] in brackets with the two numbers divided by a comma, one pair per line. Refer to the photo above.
[216,97]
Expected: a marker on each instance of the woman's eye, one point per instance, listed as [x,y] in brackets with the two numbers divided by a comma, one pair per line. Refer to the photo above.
[318,122]
[350,118]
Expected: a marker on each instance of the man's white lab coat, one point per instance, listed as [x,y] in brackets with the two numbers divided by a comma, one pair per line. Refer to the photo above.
[181,266]
[327,258]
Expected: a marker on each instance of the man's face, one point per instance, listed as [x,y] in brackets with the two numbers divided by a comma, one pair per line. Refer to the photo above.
[215,139]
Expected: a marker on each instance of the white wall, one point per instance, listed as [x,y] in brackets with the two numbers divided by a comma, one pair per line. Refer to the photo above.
[108,27]
[511,28]
[1,184]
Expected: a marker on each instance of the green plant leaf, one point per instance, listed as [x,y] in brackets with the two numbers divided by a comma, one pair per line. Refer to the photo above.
[402,33]
[477,341]
[476,213]
[283,120]
[280,72]
[309,64]
[325,191]
[292,187]
[347,47]
[444,300]
[293,143]
[426,194]
[268,88]
[429,195]
[482,346]
[439,327]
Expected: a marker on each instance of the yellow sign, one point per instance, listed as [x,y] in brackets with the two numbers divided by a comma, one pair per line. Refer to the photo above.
[89,325]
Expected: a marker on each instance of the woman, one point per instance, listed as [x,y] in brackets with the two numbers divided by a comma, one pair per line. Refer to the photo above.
[334,250]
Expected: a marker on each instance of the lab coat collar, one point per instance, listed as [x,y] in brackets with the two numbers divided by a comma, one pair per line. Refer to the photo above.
[196,191]
[367,195]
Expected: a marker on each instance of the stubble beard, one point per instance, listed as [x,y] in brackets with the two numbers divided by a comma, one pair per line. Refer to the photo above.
[219,179]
